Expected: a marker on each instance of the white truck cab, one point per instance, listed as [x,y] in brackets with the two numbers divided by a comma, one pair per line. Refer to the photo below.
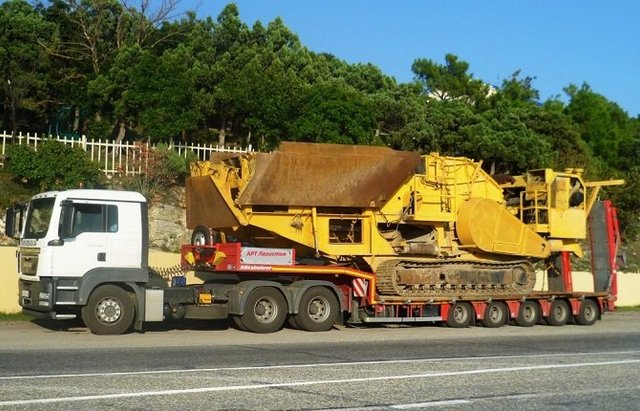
[75,242]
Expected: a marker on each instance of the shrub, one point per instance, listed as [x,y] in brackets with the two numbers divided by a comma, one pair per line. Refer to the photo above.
[54,166]
[11,191]
[160,168]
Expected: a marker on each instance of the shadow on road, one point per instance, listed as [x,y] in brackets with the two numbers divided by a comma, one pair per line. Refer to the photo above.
[191,325]
[77,325]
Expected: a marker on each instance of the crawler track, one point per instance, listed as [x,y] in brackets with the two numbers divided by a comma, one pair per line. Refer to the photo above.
[420,279]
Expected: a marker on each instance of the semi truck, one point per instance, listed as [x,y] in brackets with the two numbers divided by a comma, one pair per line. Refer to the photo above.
[313,235]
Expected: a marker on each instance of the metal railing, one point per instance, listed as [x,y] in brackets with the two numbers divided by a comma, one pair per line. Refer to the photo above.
[113,157]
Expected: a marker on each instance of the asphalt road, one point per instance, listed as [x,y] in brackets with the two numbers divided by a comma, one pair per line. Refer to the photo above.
[204,366]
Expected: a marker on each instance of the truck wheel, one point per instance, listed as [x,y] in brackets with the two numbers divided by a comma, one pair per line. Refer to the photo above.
[528,314]
[588,313]
[558,313]
[265,310]
[201,236]
[460,315]
[495,315]
[237,321]
[318,310]
[109,311]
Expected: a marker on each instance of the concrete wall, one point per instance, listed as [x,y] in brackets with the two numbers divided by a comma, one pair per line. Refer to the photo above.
[628,283]
[8,280]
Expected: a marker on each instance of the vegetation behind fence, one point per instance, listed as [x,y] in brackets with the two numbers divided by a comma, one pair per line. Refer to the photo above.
[113,157]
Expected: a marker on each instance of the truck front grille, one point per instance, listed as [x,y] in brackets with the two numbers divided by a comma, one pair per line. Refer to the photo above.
[29,261]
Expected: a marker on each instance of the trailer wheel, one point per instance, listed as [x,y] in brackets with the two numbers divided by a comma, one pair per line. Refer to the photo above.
[558,313]
[265,310]
[495,315]
[291,320]
[588,313]
[109,311]
[201,236]
[460,315]
[318,310]
[528,314]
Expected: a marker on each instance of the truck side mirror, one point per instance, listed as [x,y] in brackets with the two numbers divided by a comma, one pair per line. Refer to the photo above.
[13,221]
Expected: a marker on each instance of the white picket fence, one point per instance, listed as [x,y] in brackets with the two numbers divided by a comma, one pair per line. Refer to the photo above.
[116,158]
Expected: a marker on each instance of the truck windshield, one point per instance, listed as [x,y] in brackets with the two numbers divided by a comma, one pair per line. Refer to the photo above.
[38,218]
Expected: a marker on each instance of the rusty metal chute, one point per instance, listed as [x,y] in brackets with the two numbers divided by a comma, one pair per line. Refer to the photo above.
[327,175]
[206,205]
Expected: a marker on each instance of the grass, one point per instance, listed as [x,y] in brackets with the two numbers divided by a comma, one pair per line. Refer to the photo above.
[628,309]
[14,317]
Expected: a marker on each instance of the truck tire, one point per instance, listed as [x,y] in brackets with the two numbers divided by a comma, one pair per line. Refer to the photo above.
[495,315]
[558,313]
[109,311]
[202,236]
[588,313]
[265,310]
[460,315]
[291,321]
[528,314]
[318,310]
[237,321]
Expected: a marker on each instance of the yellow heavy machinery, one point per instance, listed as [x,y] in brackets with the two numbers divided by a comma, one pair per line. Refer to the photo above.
[426,226]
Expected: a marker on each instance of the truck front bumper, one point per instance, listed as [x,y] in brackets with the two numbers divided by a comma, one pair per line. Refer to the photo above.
[36,295]
[37,300]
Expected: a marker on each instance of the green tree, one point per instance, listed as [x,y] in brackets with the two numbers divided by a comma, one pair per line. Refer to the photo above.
[24,66]
[219,49]
[602,124]
[90,34]
[450,81]
[168,106]
[567,149]
[498,131]
[93,33]
[335,113]
[400,115]
[150,93]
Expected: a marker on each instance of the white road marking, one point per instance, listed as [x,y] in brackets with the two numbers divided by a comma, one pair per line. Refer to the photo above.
[315,365]
[443,403]
[309,383]
[482,399]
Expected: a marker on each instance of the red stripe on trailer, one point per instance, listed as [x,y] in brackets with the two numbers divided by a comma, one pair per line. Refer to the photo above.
[514,307]
[444,311]
[479,307]
[566,271]
[545,307]
[360,286]
[575,304]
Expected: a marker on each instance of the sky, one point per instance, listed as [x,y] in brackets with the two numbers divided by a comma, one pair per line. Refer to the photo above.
[557,42]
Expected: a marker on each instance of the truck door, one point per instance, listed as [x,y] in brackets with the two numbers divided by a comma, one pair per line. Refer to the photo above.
[92,239]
